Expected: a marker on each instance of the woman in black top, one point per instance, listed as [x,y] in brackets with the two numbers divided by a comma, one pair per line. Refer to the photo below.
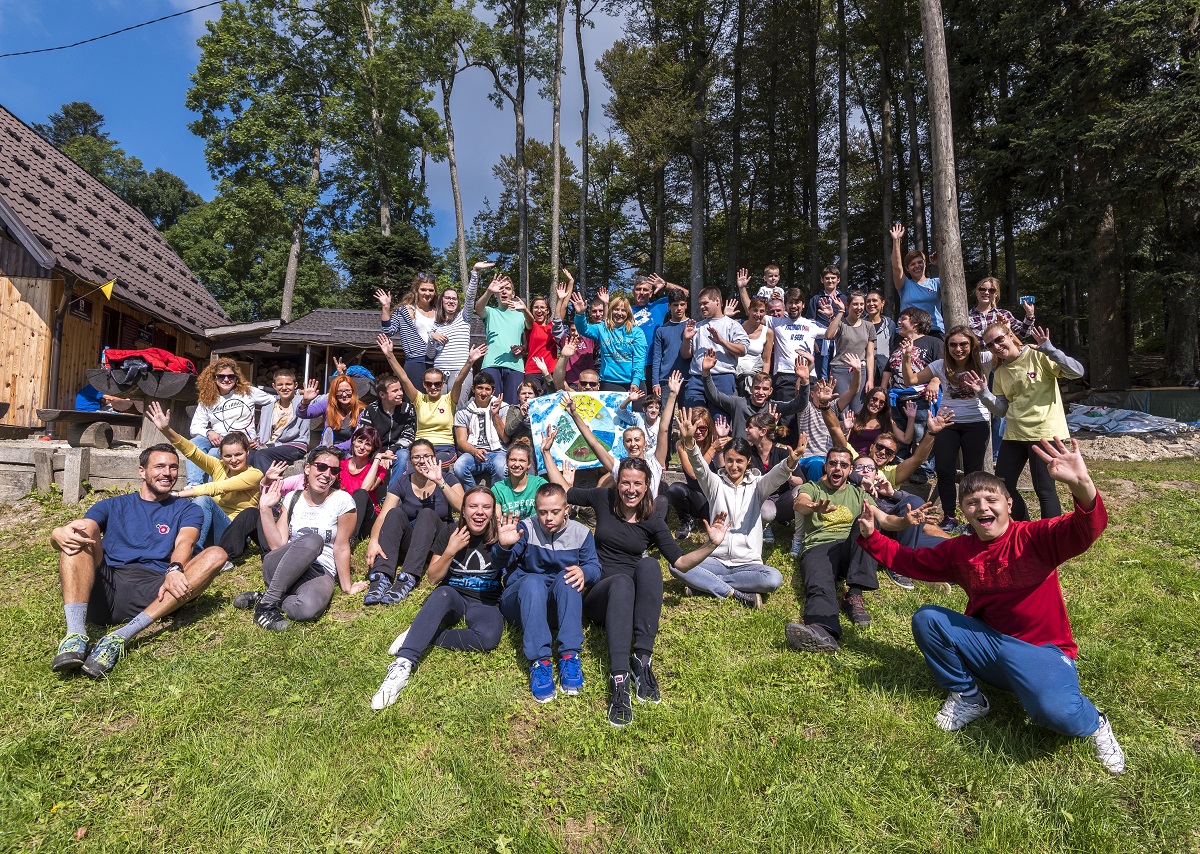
[418,506]
[627,600]
[468,573]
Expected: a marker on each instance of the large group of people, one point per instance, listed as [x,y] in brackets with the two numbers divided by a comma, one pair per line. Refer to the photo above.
[811,412]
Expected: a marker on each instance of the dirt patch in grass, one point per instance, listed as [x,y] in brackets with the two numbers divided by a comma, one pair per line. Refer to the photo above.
[1138,447]
[1185,485]
[1121,491]
[584,836]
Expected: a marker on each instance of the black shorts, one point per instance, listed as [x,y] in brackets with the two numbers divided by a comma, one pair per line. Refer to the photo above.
[120,593]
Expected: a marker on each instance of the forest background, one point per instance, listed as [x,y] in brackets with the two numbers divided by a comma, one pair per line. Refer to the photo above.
[738,133]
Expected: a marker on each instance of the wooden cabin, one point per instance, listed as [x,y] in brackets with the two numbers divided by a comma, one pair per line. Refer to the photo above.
[63,233]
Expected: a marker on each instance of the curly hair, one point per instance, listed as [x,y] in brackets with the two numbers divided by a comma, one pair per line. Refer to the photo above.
[206,385]
[333,410]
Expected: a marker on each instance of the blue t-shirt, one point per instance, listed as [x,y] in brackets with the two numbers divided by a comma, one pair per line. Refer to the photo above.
[89,399]
[140,531]
[927,296]
[650,316]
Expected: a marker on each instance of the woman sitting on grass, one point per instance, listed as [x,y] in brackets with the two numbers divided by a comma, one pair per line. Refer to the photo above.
[233,485]
[310,546]
[515,492]
[468,572]
[627,600]
[363,474]
[735,570]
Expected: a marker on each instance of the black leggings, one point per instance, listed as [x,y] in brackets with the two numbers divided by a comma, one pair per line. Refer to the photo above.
[246,525]
[1010,464]
[972,438]
[443,609]
[688,499]
[628,606]
[397,536]
[364,507]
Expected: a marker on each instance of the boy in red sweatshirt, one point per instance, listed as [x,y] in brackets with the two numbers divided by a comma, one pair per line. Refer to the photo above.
[1015,633]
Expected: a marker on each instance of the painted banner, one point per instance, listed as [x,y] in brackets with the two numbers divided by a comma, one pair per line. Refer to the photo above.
[600,409]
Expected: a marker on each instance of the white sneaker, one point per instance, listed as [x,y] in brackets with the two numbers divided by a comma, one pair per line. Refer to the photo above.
[1105,746]
[397,677]
[398,643]
[956,712]
[226,566]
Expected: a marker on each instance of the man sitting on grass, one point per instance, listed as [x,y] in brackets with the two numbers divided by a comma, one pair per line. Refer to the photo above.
[129,560]
[1015,633]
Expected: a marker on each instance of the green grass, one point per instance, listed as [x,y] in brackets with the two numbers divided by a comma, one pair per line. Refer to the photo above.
[213,735]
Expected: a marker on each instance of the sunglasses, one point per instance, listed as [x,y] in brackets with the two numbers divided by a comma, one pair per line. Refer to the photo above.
[957,344]
[889,451]
[865,469]
[987,290]
[583,384]
[994,343]
[324,467]
[226,378]
[437,384]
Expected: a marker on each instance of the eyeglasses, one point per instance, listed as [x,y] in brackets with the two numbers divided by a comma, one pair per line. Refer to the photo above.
[423,458]
[226,378]
[324,467]
[958,344]
[891,452]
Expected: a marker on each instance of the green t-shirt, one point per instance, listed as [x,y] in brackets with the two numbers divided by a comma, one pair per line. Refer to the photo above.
[504,329]
[834,526]
[517,502]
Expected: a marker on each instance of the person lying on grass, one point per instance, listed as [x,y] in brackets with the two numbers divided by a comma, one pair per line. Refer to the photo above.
[1015,633]
[467,571]
[129,561]
[310,546]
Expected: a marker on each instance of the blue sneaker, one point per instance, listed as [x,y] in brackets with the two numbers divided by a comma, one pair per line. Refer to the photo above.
[376,589]
[570,674]
[541,681]
[104,655]
[72,653]
[399,589]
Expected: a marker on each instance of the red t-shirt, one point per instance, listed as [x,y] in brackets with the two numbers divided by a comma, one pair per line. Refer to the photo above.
[539,342]
[350,482]
[1011,582]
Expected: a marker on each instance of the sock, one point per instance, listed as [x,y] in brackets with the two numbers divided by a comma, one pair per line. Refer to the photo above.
[853,590]
[972,695]
[130,629]
[76,618]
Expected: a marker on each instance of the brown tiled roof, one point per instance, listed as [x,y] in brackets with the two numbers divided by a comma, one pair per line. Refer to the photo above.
[93,234]
[341,327]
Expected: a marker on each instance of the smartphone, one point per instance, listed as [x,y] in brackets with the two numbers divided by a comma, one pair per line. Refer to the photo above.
[1028,300]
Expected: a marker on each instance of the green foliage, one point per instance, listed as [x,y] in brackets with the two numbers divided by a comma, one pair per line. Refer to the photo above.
[375,261]
[213,735]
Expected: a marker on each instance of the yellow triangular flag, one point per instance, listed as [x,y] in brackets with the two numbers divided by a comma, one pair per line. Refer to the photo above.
[107,287]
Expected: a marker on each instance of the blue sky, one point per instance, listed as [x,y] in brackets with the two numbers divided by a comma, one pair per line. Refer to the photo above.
[138,81]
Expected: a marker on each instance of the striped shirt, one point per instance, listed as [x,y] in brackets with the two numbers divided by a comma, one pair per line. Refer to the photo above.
[418,345]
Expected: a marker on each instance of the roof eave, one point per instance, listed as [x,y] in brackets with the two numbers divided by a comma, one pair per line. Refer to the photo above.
[28,240]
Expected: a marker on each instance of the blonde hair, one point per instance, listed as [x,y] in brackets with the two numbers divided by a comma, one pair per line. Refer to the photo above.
[608,318]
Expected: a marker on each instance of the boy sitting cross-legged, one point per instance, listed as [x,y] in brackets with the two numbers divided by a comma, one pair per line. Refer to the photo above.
[550,559]
[1015,633]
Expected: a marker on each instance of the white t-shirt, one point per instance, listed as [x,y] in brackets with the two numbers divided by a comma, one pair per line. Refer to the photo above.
[727,328]
[791,338]
[656,472]
[305,518]
[967,408]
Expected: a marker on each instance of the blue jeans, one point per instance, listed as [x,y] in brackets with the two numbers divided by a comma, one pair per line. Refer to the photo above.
[399,466]
[215,521]
[195,474]
[528,602]
[720,579]
[823,358]
[960,649]
[467,468]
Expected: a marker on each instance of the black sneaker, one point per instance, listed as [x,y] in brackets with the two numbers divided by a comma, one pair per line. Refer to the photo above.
[398,590]
[248,600]
[620,705]
[901,581]
[685,529]
[377,587]
[644,683]
[810,638]
[750,600]
[271,618]
[856,609]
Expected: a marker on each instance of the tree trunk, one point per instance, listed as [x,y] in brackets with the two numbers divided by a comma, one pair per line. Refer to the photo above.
[660,216]
[919,230]
[843,212]
[556,191]
[810,170]
[697,218]
[581,274]
[293,262]
[522,180]
[381,175]
[945,190]
[885,176]
[460,228]
[1108,349]
[733,214]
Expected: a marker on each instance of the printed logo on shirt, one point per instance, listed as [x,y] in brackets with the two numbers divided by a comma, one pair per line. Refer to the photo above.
[1032,375]
[164,529]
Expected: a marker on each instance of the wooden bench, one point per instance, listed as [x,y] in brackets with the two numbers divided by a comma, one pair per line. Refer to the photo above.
[94,429]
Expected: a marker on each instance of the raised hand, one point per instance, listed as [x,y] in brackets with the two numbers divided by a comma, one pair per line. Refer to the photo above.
[159,418]
[602,294]
[384,298]
[548,442]
[275,471]
[717,528]
[515,304]
[675,382]
[1029,310]
[937,423]
[708,361]
[838,304]
[568,472]
[460,538]
[915,516]
[688,422]
[972,382]
[804,365]
[897,232]
[312,391]
[906,347]
[1040,334]
[721,426]
[743,278]
[508,532]
[567,402]
[497,283]
[866,521]
[432,469]
[477,352]
[495,405]
[801,445]
[825,307]
[825,391]
[910,409]
[731,308]
[271,496]
[480,266]
[689,330]
[563,291]
[635,393]
[1065,466]
[385,344]
[848,420]
[339,365]
[577,302]
[570,346]
[570,279]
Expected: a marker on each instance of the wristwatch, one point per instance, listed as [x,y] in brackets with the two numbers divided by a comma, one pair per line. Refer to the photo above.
[174,565]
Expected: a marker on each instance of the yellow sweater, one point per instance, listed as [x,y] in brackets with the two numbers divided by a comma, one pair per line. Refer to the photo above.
[232,492]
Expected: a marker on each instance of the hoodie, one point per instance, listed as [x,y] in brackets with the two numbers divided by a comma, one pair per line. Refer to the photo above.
[539,552]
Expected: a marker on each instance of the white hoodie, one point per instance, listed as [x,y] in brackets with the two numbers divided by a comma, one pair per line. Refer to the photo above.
[743,503]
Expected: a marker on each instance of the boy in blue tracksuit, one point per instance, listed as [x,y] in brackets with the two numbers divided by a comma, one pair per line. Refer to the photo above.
[550,559]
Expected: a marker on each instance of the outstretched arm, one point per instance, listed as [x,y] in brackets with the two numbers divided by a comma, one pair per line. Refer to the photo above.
[897,233]
[476,353]
[387,348]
